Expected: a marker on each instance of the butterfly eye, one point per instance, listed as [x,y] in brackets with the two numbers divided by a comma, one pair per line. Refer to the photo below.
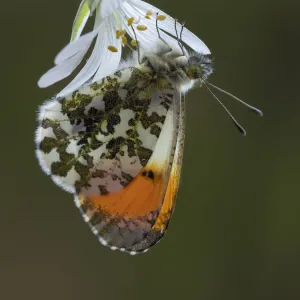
[194,72]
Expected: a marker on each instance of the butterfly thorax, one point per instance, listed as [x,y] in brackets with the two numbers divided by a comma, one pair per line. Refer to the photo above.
[178,72]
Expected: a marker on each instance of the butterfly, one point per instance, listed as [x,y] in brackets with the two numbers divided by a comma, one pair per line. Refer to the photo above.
[117,145]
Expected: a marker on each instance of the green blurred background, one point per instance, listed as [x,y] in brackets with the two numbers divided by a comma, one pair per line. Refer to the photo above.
[235,232]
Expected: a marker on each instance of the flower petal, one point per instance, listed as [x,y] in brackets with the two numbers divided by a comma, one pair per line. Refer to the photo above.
[107,7]
[148,38]
[86,72]
[80,20]
[93,4]
[110,61]
[169,25]
[80,45]
[61,71]
[95,60]
[187,36]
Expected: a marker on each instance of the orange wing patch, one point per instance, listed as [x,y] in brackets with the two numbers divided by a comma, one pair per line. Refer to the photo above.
[142,195]
[123,220]
[168,206]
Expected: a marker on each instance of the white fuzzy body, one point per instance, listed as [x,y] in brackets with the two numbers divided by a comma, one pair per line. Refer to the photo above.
[171,65]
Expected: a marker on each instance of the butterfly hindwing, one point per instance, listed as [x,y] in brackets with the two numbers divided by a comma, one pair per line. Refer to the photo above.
[112,144]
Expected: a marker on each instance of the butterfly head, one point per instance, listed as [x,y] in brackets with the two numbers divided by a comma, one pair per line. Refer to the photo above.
[199,66]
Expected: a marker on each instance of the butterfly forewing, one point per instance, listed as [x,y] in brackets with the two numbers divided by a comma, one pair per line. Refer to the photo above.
[112,144]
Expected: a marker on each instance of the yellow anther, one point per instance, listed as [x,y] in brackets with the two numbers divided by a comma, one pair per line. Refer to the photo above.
[112,48]
[133,43]
[124,40]
[149,13]
[130,21]
[120,33]
[141,27]
[147,17]
[161,18]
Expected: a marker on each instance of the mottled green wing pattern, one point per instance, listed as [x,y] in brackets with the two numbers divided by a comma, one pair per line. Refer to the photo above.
[97,139]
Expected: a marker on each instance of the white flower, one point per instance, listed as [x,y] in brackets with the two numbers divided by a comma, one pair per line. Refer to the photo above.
[112,19]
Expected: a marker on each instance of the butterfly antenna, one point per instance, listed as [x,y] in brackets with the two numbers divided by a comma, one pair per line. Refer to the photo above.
[137,46]
[235,122]
[252,108]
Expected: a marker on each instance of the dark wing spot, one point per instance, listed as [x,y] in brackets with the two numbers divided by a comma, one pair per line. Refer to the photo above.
[148,174]
[103,190]
[144,155]
[48,143]
[127,177]
[155,130]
